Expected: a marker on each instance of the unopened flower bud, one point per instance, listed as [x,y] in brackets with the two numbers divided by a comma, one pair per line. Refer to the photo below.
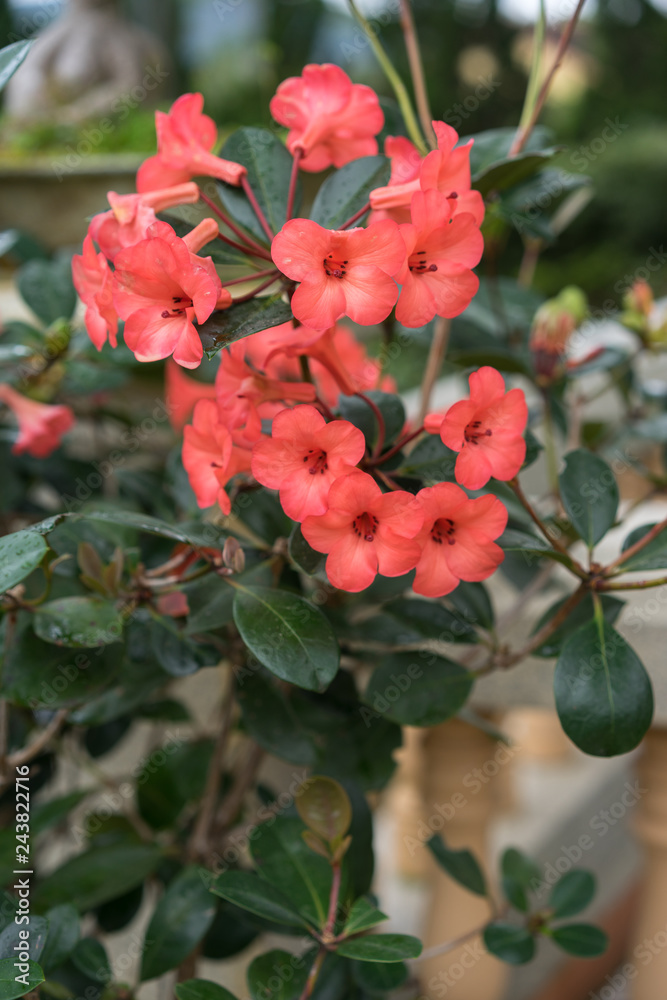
[553,325]
[233,555]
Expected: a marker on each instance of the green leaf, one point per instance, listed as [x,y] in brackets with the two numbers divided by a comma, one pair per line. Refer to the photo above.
[20,554]
[179,922]
[590,495]
[288,635]
[283,859]
[417,693]
[269,167]
[461,865]
[97,875]
[362,916]
[63,935]
[90,957]
[201,989]
[10,987]
[431,461]
[171,777]
[491,167]
[253,893]
[572,894]
[381,948]
[177,655]
[46,286]
[603,694]
[611,609]
[518,873]
[11,57]
[79,622]
[11,940]
[286,972]
[306,558]
[427,620]
[511,944]
[379,978]
[223,328]
[346,191]
[652,556]
[514,540]
[359,413]
[325,808]
[472,601]
[582,940]
[269,718]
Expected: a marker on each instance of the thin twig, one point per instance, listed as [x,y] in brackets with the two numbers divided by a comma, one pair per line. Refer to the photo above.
[28,753]
[294,177]
[548,629]
[260,250]
[260,288]
[377,412]
[637,547]
[250,277]
[576,567]
[257,209]
[357,215]
[244,779]
[436,356]
[199,840]
[417,72]
[523,135]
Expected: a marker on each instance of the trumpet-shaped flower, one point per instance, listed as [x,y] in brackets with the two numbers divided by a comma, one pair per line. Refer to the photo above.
[457,539]
[41,425]
[330,119]
[130,216]
[365,532]
[304,456]
[183,393]
[342,272]
[210,456]
[93,281]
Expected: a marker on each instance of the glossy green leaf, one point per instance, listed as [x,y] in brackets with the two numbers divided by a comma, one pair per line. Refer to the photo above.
[11,57]
[177,655]
[511,944]
[287,973]
[419,619]
[79,622]
[611,608]
[172,776]
[11,940]
[10,986]
[379,978]
[97,875]
[46,286]
[269,167]
[518,873]
[179,922]
[201,989]
[345,192]
[491,167]
[302,554]
[255,894]
[284,860]
[603,694]
[418,692]
[358,412]
[530,546]
[430,460]
[20,554]
[582,940]
[64,931]
[654,553]
[90,957]
[590,495]
[461,865]
[381,948]
[325,808]
[288,635]
[223,328]
[572,894]
[362,916]
[270,719]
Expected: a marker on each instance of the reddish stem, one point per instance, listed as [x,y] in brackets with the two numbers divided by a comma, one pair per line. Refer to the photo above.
[256,207]
[379,444]
[260,288]
[397,447]
[260,251]
[250,277]
[294,176]
[637,547]
[357,215]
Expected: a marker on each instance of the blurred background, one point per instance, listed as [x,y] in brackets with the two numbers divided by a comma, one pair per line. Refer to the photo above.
[607,107]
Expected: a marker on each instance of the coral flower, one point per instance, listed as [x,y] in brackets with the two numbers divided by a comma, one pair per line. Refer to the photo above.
[331,120]
[304,456]
[457,539]
[183,393]
[445,169]
[93,281]
[342,272]
[365,532]
[210,457]
[486,430]
[161,286]
[185,138]
[441,249]
[130,216]
[41,425]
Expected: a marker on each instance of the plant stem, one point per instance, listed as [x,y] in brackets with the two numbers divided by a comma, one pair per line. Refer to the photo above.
[244,779]
[397,84]
[379,444]
[637,547]
[550,446]
[260,250]
[255,291]
[575,568]
[314,973]
[330,925]
[250,277]
[548,629]
[523,134]
[396,448]
[198,845]
[294,176]
[436,356]
[256,207]
[632,585]
[265,255]
[417,72]
[357,215]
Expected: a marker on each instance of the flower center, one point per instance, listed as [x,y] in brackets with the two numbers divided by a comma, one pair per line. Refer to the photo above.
[365,525]
[179,307]
[474,431]
[443,530]
[334,268]
[317,460]
[418,264]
